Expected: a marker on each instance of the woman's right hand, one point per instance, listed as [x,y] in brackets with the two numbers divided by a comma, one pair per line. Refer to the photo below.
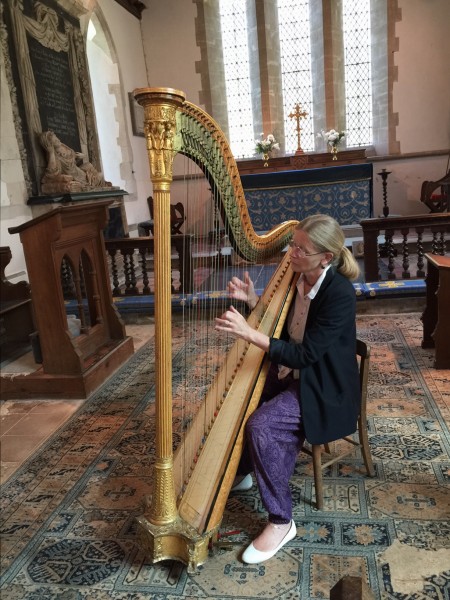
[243,290]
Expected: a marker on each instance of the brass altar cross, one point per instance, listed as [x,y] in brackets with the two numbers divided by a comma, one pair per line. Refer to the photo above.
[298,114]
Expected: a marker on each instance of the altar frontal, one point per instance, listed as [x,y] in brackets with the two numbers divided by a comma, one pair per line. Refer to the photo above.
[343,192]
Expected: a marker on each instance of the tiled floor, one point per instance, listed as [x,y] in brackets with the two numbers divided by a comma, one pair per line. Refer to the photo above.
[26,424]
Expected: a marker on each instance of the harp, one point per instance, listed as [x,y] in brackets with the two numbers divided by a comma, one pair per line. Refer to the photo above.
[184,514]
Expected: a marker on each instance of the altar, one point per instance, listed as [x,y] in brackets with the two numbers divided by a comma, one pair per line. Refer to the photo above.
[344,192]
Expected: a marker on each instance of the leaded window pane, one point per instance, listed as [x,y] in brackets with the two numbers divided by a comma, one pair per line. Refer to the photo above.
[358,88]
[295,48]
[237,77]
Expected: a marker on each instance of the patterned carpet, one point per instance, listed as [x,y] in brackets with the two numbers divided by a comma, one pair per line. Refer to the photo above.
[67,520]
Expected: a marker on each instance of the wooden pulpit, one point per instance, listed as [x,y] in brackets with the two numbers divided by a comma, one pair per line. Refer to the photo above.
[72,367]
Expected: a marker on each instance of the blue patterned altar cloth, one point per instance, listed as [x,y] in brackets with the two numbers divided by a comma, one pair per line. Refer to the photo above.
[345,193]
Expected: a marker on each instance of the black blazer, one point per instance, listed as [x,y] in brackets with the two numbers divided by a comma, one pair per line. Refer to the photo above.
[329,378]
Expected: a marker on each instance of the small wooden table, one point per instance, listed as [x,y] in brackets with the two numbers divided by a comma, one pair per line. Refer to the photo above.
[436,316]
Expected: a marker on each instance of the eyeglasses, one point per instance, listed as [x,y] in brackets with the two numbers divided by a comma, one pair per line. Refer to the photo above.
[300,250]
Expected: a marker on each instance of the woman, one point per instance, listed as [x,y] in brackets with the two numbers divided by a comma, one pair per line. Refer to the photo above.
[312,390]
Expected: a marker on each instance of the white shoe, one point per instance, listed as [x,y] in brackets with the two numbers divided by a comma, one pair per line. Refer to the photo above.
[252,556]
[242,485]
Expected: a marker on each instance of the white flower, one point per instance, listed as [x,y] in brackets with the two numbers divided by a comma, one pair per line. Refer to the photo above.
[264,146]
[332,137]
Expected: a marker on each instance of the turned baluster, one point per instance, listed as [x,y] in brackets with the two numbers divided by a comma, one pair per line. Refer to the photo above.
[405,264]
[67,280]
[114,271]
[130,273]
[389,246]
[420,253]
[145,279]
[441,244]
[435,242]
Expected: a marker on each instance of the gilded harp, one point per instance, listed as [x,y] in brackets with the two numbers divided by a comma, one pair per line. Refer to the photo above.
[185,515]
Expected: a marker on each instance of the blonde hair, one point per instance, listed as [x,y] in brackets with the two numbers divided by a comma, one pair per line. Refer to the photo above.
[326,235]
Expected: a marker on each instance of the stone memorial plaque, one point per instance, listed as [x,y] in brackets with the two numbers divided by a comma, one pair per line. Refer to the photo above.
[55,93]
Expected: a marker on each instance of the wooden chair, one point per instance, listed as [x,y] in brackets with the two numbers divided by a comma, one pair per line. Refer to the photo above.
[177,216]
[440,202]
[363,353]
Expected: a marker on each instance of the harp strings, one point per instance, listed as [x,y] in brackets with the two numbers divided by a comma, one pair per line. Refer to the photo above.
[204,350]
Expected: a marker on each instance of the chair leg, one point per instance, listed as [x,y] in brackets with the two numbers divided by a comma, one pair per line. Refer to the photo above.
[365,448]
[317,467]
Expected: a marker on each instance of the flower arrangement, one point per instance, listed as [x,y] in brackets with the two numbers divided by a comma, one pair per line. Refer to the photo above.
[332,138]
[265,146]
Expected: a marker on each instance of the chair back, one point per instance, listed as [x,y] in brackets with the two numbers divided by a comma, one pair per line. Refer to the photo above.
[177,216]
[363,354]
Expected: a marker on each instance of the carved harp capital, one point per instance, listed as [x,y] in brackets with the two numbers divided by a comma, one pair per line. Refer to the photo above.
[160,106]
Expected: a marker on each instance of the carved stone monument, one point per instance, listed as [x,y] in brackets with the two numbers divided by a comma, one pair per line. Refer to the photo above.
[47,73]
[68,171]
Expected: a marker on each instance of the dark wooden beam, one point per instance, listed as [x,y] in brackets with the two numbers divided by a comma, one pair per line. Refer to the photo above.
[135,7]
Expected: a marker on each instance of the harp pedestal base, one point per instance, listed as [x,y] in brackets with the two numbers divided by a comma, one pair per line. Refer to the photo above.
[175,541]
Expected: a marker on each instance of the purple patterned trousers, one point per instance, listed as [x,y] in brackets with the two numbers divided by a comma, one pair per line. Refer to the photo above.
[274,437]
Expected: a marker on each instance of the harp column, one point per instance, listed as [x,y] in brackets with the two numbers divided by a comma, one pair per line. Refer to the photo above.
[160,106]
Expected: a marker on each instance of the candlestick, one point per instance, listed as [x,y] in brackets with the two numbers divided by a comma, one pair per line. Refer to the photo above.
[384,175]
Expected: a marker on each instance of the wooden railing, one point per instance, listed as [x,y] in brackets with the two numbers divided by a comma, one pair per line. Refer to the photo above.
[131,264]
[404,237]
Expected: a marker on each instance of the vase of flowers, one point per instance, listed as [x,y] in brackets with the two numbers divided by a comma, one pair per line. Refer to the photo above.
[266,146]
[332,138]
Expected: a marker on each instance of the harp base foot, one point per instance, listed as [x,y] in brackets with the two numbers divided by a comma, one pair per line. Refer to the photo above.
[175,541]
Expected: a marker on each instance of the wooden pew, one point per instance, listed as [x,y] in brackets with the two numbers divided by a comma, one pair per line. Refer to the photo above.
[16,313]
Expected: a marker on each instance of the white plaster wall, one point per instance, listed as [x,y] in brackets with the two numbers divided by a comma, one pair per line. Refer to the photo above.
[405,182]
[422,93]
[170,46]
